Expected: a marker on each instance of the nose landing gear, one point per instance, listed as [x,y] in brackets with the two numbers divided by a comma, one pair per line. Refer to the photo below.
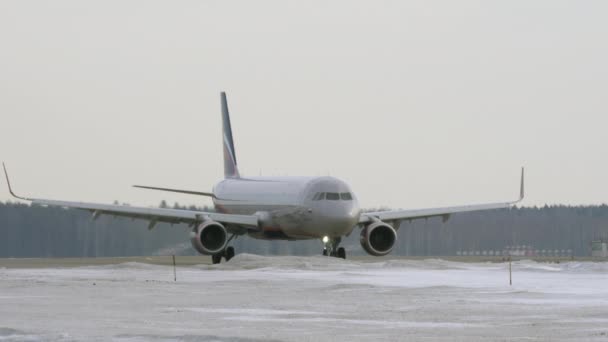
[341,253]
[330,248]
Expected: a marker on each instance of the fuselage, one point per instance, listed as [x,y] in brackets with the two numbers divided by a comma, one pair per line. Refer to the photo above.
[291,207]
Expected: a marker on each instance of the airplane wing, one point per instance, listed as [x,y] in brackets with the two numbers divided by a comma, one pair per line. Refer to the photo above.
[445,212]
[153,215]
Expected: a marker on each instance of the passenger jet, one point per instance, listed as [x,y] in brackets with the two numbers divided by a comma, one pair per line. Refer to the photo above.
[275,208]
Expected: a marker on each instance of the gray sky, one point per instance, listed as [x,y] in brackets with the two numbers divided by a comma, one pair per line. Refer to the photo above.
[415,104]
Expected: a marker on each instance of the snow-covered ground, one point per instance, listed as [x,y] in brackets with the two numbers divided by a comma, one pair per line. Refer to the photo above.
[255,298]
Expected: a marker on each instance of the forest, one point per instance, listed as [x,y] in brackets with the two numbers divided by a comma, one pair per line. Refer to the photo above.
[36,231]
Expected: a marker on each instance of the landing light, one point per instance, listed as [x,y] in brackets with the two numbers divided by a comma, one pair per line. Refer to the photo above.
[325,239]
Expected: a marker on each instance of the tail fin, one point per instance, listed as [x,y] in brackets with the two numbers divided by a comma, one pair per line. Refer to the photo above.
[230,168]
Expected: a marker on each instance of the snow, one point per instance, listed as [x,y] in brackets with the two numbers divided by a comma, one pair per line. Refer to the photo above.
[254,298]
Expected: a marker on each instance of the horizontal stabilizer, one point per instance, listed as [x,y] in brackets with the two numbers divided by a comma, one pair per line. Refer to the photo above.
[189,192]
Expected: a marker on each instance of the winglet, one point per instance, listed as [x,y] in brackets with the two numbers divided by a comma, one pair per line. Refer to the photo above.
[521,186]
[8,182]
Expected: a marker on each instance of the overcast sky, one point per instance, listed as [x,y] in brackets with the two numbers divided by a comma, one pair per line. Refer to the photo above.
[413,103]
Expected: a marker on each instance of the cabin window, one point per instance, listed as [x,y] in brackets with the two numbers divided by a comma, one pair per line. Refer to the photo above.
[334,196]
[346,196]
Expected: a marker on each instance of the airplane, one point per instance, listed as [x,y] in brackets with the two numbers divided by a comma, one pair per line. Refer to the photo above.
[275,208]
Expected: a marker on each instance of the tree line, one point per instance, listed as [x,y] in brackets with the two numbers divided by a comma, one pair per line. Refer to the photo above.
[36,231]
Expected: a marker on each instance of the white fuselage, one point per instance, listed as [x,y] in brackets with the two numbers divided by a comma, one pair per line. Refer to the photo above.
[291,207]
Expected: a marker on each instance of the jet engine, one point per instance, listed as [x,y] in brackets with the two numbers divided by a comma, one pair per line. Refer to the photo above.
[209,237]
[378,238]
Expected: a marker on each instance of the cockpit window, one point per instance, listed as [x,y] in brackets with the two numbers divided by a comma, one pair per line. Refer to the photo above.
[346,196]
[334,196]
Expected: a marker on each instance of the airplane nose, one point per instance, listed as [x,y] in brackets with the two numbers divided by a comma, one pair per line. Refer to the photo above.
[352,214]
[345,218]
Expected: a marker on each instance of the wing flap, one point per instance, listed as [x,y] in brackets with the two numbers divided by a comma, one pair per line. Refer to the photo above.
[154,214]
[445,212]
[151,214]
[412,214]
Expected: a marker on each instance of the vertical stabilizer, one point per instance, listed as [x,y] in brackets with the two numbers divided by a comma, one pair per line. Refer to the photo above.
[230,168]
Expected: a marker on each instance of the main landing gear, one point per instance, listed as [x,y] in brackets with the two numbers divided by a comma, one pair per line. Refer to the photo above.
[330,247]
[227,253]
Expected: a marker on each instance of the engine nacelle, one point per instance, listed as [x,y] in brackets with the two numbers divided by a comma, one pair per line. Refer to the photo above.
[378,238]
[209,237]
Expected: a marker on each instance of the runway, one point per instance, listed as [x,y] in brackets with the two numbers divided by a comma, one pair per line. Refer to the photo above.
[255,298]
